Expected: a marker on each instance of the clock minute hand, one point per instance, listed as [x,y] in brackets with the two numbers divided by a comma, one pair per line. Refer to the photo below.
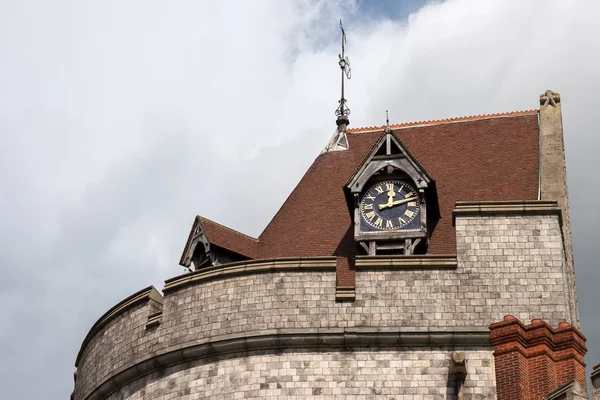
[395,203]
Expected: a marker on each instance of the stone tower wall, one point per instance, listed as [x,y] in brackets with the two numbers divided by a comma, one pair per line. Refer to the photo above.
[273,327]
[413,373]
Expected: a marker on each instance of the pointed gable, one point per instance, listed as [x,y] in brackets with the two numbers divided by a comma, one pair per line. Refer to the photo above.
[388,150]
[208,242]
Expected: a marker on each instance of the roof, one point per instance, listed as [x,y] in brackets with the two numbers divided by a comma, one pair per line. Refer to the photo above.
[483,158]
[479,158]
[444,121]
[224,237]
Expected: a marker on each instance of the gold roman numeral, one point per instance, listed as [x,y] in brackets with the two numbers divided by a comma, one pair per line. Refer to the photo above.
[368,206]
[407,195]
[379,189]
[402,222]
[412,204]
[370,215]
[388,224]
[368,196]
[389,186]
[409,213]
[378,222]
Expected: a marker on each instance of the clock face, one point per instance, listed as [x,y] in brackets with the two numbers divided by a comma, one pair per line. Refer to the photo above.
[390,205]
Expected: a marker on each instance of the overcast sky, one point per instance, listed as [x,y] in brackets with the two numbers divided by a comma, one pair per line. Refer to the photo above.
[122,120]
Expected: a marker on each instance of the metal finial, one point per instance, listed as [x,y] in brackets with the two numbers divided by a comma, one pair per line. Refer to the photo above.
[387,122]
[343,111]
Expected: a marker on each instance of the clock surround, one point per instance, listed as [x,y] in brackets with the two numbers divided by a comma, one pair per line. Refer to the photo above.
[390,230]
[390,205]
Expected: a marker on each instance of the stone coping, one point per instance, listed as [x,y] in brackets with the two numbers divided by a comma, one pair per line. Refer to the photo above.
[567,391]
[406,262]
[149,293]
[596,376]
[520,207]
[249,267]
[281,339]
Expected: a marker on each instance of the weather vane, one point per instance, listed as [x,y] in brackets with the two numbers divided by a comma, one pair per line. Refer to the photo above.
[342,111]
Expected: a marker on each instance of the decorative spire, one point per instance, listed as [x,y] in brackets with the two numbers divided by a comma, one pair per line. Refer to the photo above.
[343,111]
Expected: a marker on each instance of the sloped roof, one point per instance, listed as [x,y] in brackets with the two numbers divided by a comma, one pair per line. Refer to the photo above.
[222,236]
[480,158]
[488,157]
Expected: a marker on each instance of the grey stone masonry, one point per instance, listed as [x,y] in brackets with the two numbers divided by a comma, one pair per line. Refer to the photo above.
[515,265]
[408,374]
[553,183]
[506,263]
[596,382]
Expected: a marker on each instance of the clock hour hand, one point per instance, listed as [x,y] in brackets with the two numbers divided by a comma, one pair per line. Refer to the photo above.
[395,203]
[391,195]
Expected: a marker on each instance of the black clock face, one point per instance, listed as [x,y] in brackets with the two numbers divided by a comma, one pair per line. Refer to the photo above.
[389,205]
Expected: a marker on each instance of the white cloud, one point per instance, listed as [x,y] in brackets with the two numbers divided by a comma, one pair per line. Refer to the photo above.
[120,121]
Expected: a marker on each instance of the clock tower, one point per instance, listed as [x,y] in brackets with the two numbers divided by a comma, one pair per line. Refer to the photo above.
[388,200]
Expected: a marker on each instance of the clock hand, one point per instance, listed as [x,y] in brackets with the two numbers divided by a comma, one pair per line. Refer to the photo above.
[395,203]
[390,194]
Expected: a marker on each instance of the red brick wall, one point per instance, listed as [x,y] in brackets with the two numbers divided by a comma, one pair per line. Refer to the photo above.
[533,360]
[346,275]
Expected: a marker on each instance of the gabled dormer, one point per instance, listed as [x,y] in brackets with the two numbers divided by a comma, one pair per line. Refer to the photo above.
[388,195]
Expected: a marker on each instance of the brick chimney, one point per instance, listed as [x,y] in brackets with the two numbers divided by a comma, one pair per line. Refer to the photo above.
[533,360]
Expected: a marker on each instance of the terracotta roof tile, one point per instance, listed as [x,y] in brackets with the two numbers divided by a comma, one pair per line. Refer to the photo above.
[228,238]
[443,121]
[486,157]
[491,157]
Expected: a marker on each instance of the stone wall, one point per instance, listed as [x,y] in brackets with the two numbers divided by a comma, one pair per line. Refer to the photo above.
[595,378]
[513,264]
[415,374]
[505,264]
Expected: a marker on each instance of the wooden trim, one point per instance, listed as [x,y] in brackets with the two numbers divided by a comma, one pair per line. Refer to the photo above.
[491,208]
[406,262]
[280,339]
[249,267]
[146,294]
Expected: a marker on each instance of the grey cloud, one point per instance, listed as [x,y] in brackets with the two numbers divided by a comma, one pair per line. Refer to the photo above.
[119,122]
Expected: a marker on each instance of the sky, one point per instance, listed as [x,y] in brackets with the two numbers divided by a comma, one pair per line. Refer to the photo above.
[122,120]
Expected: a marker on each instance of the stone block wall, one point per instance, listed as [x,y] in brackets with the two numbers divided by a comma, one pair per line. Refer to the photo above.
[505,264]
[595,378]
[116,341]
[515,265]
[407,374]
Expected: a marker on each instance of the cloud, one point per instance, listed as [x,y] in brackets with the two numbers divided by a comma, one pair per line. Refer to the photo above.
[120,121]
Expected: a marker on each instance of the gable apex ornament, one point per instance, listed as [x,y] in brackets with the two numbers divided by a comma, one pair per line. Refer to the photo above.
[197,250]
[388,152]
[549,98]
